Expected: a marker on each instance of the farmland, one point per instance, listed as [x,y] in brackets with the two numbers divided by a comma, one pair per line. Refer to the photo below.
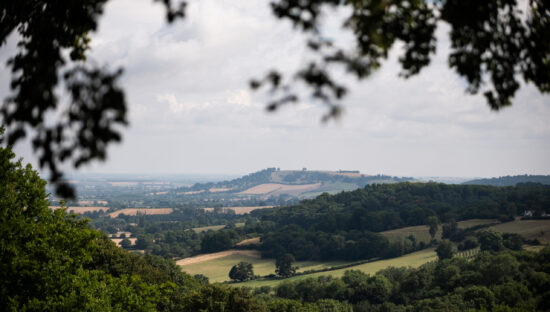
[82,209]
[529,229]
[278,189]
[422,234]
[216,266]
[145,211]
[414,260]
[239,210]
[214,227]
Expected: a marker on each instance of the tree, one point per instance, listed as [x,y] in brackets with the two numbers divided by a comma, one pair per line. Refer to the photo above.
[125,243]
[445,250]
[283,265]
[242,271]
[493,43]
[433,223]
[490,240]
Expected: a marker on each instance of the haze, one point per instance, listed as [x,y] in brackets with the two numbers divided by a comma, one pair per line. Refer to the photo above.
[191,110]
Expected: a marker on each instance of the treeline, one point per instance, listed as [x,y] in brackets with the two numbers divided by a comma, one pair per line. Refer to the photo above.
[512,180]
[492,281]
[344,226]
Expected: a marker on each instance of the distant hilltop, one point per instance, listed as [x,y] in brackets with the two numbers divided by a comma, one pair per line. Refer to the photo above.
[302,183]
[512,180]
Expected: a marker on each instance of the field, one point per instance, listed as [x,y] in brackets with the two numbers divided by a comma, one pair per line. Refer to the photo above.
[214,227]
[82,209]
[530,229]
[216,266]
[278,189]
[118,240]
[422,233]
[240,210]
[134,211]
[414,260]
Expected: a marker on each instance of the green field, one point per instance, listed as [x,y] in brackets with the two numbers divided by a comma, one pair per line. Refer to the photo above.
[422,234]
[213,227]
[217,270]
[414,260]
[529,229]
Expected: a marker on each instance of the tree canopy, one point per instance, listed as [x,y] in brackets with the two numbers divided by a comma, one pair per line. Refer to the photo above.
[493,44]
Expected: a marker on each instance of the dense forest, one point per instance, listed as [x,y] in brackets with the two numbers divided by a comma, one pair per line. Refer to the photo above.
[344,226]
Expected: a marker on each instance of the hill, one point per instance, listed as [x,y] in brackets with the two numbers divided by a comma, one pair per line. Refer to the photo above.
[273,182]
[512,180]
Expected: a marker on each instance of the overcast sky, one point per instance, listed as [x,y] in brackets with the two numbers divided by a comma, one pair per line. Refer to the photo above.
[191,110]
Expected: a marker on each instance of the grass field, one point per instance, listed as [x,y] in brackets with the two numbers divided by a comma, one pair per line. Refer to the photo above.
[422,233]
[414,260]
[214,227]
[240,210]
[530,229]
[217,269]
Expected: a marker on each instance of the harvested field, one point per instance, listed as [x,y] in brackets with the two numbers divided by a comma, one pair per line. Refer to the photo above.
[250,241]
[82,209]
[118,240]
[145,211]
[240,210]
[278,189]
[216,190]
[211,256]
[192,192]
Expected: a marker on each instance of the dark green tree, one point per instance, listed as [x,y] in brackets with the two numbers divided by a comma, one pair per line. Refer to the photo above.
[242,271]
[445,249]
[125,243]
[490,240]
[493,44]
[283,265]
[433,223]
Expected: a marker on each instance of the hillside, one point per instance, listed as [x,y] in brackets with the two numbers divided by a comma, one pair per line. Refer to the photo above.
[512,180]
[303,183]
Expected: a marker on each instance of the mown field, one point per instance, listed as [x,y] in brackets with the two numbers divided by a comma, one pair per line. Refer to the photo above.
[422,233]
[217,269]
[214,227]
[529,229]
[414,260]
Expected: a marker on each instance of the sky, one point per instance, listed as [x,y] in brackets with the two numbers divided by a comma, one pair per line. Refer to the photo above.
[191,110]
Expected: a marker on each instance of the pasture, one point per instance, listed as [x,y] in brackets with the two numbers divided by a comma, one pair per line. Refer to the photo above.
[214,227]
[414,260]
[216,266]
[529,229]
[278,189]
[422,233]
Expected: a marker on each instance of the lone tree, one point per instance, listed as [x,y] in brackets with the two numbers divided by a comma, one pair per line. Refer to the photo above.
[493,44]
[283,265]
[241,271]
[433,223]
[445,250]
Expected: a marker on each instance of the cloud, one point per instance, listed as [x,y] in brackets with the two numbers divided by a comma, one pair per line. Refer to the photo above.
[191,109]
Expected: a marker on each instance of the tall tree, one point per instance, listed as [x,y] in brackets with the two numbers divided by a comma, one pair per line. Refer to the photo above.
[242,271]
[283,265]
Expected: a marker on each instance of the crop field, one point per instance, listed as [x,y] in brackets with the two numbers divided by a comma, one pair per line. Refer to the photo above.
[530,229]
[147,211]
[82,209]
[216,266]
[240,210]
[214,227]
[277,189]
[414,260]
[422,233]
